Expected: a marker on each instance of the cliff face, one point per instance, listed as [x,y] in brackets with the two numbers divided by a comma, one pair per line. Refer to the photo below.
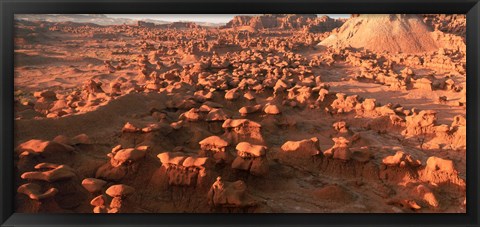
[286,21]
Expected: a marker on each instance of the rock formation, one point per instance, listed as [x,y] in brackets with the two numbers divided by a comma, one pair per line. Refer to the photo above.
[249,116]
[251,158]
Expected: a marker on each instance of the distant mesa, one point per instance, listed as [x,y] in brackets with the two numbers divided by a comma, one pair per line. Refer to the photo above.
[145,24]
[285,21]
[173,25]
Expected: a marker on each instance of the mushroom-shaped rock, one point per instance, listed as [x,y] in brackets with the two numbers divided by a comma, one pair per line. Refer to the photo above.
[132,154]
[167,158]
[122,162]
[272,109]
[307,147]
[232,94]
[194,162]
[229,194]
[213,143]
[340,149]
[93,185]
[238,130]
[205,108]
[184,171]
[245,149]
[130,128]
[249,109]
[42,146]
[251,158]
[120,190]
[203,95]
[56,173]
[119,193]
[249,96]
[216,115]
[32,190]
[98,201]
[192,115]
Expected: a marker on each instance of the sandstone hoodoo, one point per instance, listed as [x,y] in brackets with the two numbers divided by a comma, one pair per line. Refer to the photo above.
[229,195]
[119,202]
[300,150]
[272,109]
[340,149]
[123,163]
[39,200]
[266,113]
[251,158]
[93,185]
[54,173]
[32,190]
[215,147]
[184,171]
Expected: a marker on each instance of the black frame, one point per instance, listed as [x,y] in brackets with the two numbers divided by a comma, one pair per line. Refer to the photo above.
[10,7]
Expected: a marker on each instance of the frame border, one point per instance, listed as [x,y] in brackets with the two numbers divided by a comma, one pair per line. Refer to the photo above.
[10,7]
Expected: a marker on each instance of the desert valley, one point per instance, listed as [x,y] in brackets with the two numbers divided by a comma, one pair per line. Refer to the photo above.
[274,113]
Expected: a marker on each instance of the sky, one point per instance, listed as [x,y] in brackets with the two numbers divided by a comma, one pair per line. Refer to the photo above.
[210,18]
